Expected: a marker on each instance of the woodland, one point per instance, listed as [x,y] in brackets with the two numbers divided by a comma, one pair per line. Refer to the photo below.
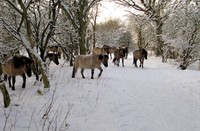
[168,28]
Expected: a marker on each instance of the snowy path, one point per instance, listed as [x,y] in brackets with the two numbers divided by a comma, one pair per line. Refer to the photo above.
[156,98]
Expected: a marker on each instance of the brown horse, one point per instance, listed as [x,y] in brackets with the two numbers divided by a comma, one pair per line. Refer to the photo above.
[17,65]
[52,57]
[140,54]
[119,54]
[55,50]
[125,50]
[90,62]
[100,50]
[109,50]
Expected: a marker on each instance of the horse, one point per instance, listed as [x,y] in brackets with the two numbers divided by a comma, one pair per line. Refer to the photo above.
[140,54]
[55,50]
[99,50]
[125,50]
[91,61]
[17,65]
[119,54]
[109,50]
[52,57]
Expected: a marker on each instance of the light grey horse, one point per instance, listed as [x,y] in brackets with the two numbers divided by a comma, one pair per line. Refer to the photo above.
[90,62]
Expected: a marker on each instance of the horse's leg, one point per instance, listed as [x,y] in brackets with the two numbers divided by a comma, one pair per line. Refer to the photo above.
[101,70]
[5,77]
[92,73]
[140,62]
[111,55]
[118,61]
[82,70]
[114,59]
[135,62]
[9,81]
[24,81]
[13,83]
[122,61]
[74,71]
[36,72]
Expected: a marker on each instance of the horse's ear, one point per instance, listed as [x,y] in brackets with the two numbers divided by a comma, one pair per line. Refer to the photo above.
[101,57]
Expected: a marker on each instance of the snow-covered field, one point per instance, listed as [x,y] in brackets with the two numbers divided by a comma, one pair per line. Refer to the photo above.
[159,97]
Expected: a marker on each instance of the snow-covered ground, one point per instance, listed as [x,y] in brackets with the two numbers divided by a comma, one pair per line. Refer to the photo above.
[159,97]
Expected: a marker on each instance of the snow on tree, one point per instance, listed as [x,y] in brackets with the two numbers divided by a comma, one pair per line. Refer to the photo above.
[113,33]
[157,12]
[33,25]
[182,31]
[78,14]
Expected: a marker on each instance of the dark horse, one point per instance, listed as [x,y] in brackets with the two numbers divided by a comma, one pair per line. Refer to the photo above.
[55,50]
[48,58]
[17,65]
[140,54]
[119,54]
[52,57]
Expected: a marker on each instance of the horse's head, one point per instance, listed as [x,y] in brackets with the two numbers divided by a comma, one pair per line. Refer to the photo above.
[55,59]
[104,59]
[106,49]
[122,52]
[28,65]
[20,61]
[144,52]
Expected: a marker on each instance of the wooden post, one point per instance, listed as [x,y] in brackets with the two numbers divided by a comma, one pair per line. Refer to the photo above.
[6,96]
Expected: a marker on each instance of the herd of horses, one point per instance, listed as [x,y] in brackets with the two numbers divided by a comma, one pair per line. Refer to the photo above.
[22,65]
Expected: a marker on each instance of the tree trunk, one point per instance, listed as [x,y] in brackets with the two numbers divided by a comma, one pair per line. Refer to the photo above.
[82,35]
[44,75]
[82,44]
[27,24]
[6,97]
[160,42]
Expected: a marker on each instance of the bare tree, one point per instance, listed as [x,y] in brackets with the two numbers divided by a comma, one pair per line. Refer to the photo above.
[158,11]
[93,20]
[142,29]
[77,12]
[30,29]
[6,97]
[183,34]
[113,33]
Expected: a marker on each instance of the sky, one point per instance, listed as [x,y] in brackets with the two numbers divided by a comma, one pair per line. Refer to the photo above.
[159,97]
[111,10]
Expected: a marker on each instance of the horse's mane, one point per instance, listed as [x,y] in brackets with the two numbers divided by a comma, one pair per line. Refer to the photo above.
[20,60]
